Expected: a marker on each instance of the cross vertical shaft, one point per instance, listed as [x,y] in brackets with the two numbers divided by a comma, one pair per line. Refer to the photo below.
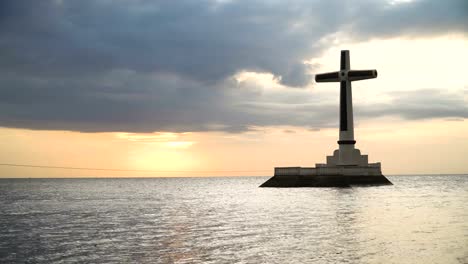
[346,102]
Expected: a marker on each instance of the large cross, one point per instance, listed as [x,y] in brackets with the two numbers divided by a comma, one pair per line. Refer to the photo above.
[345,76]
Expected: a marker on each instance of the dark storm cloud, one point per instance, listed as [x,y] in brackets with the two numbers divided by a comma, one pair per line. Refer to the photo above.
[199,40]
[96,65]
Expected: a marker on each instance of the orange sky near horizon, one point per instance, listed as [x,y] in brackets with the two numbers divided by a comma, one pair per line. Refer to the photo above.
[404,149]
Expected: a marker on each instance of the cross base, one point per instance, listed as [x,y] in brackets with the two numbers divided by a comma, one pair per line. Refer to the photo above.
[340,181]
[345,156]
[327,176]
[346,168]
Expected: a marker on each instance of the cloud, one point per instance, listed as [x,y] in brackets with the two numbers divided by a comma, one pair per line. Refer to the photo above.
[420,104]
[416,18]
[143,66]
[205,40]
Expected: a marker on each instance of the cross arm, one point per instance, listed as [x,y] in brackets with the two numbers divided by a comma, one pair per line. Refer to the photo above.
[356,75]
[328,77]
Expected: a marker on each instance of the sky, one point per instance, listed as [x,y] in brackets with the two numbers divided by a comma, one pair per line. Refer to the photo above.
[226,87]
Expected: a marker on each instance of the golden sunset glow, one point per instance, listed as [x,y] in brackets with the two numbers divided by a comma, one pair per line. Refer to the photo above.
[438,146]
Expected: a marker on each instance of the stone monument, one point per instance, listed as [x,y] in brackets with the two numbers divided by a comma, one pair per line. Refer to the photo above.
[346,167]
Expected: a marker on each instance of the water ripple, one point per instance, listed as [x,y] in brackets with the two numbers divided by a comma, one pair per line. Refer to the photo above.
[421,219]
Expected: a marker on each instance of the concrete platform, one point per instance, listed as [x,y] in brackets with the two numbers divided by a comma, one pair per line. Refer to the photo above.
[292,181]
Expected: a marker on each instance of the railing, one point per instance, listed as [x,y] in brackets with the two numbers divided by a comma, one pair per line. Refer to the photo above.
[372,169]
[288,171]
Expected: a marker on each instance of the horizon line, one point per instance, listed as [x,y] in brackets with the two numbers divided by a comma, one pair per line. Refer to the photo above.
[231,176]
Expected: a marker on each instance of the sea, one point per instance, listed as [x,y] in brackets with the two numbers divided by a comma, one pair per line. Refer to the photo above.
[419,219]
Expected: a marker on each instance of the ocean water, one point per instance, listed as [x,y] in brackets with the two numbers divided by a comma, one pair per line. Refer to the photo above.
[420,219]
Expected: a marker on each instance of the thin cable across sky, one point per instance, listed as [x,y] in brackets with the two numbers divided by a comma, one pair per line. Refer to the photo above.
[122,170]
